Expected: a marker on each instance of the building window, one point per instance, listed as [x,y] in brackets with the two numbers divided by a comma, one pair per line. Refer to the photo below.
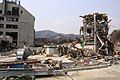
[1,32]
[1,18]
[9,26]
[15,11]
[1,25]
[21,11]
[12,19]
[0,11]
[14,35]
[8,19]
[16,19]
[8,12]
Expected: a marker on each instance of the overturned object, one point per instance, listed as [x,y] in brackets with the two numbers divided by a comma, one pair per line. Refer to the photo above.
[23,53]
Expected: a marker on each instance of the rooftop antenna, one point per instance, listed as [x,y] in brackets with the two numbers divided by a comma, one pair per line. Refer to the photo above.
[19,2]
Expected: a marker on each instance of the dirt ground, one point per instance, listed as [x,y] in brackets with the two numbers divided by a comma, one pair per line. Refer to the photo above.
[110,73]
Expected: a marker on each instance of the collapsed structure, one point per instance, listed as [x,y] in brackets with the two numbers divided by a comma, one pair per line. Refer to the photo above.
[16,24]
[95,31]
[114,37]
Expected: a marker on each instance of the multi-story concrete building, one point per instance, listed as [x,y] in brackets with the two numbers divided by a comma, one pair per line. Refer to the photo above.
[17,22]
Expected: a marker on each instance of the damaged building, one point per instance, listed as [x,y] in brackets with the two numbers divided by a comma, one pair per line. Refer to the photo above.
[16,24]
[95,32]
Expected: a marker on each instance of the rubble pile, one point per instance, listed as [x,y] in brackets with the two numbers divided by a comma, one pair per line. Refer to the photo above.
[114,37]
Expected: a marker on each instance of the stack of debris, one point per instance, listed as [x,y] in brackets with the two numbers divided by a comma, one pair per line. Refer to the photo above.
[114,37]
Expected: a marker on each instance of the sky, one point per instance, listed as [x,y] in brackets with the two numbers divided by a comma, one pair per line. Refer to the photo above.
[63,15]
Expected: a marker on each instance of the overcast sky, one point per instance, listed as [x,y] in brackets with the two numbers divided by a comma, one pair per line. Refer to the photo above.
[63,15]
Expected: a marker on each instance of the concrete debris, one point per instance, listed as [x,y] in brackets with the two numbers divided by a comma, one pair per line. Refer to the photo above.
[114,37]
[23,77]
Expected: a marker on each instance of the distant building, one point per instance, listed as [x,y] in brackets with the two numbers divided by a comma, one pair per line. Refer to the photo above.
[17,22]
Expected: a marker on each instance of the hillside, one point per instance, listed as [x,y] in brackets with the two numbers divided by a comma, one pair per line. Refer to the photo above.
[54,35]
[47,37]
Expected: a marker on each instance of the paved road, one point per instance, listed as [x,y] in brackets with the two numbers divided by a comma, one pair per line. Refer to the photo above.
[110,73]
